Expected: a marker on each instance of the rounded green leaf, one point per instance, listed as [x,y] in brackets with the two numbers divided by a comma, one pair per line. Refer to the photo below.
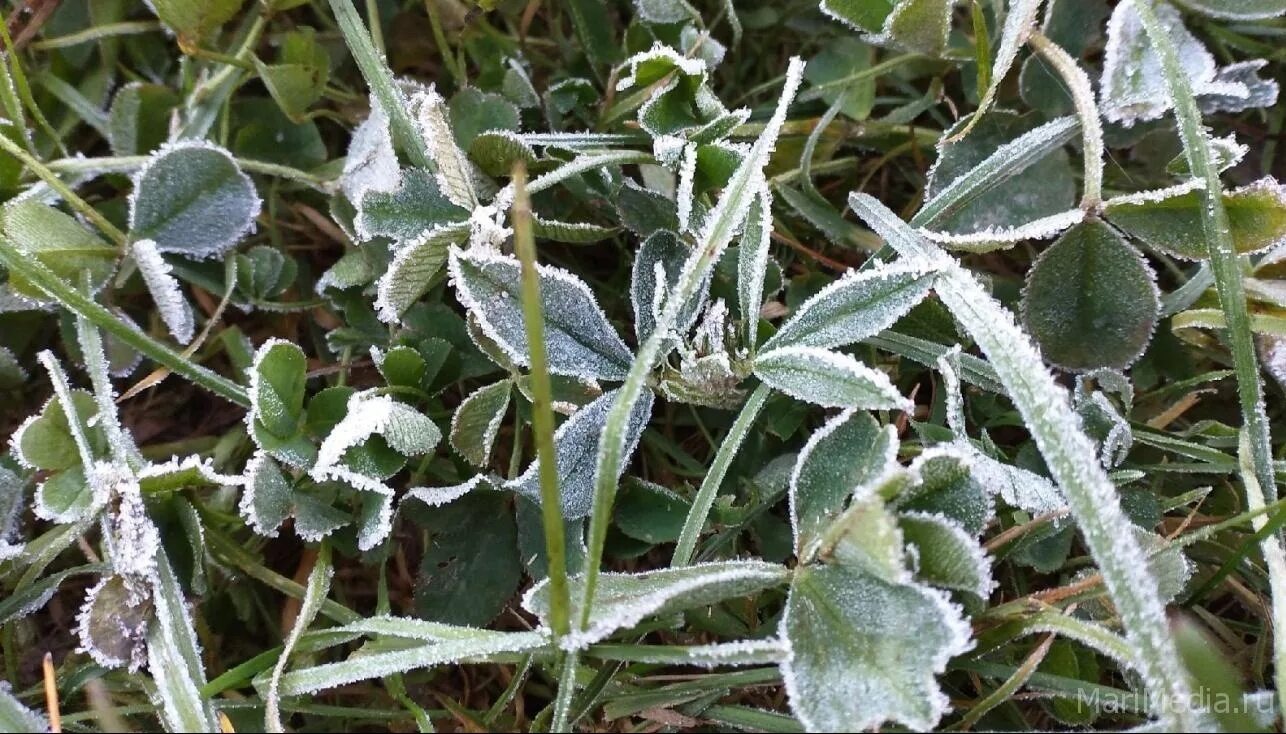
[864,651]
[277,387]
[477,421]
[1170,220]
[496,152]
[1091,300]
[191,19]
[45,440]
[192,199]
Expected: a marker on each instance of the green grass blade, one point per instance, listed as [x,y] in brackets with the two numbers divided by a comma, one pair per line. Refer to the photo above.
[542,417]
[73,300]
[1071,457]
[380,79]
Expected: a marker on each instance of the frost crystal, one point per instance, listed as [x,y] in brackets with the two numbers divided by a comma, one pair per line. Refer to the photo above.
[864,651]
[454,170]
[579,339]
[175,310]
[576,449]
[1133,87]
[192,198]
[622,600]
[858,305]
[995,238]
[371,164]
[826,378]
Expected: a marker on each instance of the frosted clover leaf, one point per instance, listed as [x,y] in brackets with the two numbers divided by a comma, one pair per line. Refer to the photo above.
[844,627]
[191,198]
[579,339]
[132,617]
[915,25]
[623,600]
[1134,89]
[576,447]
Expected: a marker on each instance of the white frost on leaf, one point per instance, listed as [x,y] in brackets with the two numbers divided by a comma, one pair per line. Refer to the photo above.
[174,309]
[578,337]
[410,274]
[192,198]
[864,651]
[996,238]
[1133,88]
[1260,92]
[945,554]
[685,197]
[371,164]
[858,305]
[455,179]
[829,379]
[576,447]
[622,600]
[439,496]
[752,262]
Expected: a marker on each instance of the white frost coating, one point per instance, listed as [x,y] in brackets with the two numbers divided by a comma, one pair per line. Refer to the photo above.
[252,390]
[471,443]
[412,270]
[970,553]
[378,665]
[17,716]
[1238,10]
[120,444]
[668,150]
[995,238]
[132,538]
[127,626]
[251,493]
[1015,155]
[895,638]
[1133,86]
[578,337]
[62,390]
[453,174]
[686,196]
[719,654]
[1259,92]
[204,467]
[174,659]
[373,529]
[665,11]
[1069,454]
[15,440]
[371,164]
[407,431]
[948,366]
[829,379]
[794,501]
[858,305]
[1020,20]
[752,263]
[174,309]
[700,44]
[1155,196]
[439,496]
[222,219]
[623,600]
[575,449]
[660,52]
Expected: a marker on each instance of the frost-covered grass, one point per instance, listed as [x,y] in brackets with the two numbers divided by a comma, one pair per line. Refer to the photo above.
[642,364]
